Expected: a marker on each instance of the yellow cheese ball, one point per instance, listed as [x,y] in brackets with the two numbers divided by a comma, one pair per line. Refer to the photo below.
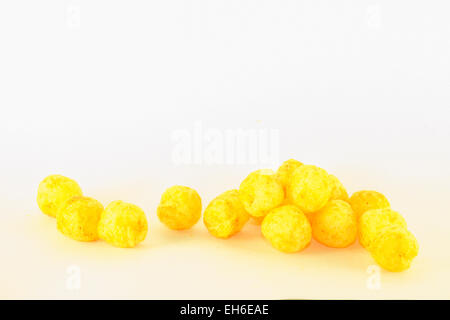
[284,172]
[338,191]
[335,225]
[309,188]
[225,215]
[123,224]
[287,229]
[260,192]
[363,201]
[53,191]
[372,221]
[78,218]
[180,208]
[395,248]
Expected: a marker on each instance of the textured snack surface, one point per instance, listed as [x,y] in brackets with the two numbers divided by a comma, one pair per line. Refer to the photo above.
[260,192]
[54,191]
[338,191]
[284,172]
[335,225]
[394,248]
[225,215]
[287,229]
[366,200]
[180,208]
[373,221]
[78,218]
[123,224]
[309,188]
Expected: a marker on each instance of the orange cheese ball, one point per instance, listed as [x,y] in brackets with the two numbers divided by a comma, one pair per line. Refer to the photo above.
[284,172]
[309,188]
[287,229]
[78,218]
[365,200]
[335,225]
[180,208]
[54,191]
[261,192]
[225,215]
[338,191]
[394,248]
[373,221]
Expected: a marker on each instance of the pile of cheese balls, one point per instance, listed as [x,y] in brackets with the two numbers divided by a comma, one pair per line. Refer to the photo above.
[293,205]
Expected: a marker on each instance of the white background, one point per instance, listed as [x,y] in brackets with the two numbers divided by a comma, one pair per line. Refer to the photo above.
[95,90]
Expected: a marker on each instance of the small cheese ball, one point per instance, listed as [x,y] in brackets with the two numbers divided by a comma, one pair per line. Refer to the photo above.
[78,218]
[309,188]
[122,224]
[395,248]
[335,225]
[338,191]
[180,208]
[372,221]
[363,201]
[53,191]
[284,172]
[260,192]
[225,215]
[287,229]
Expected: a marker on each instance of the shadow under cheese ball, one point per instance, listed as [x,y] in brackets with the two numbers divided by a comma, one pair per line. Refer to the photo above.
[78,218]
[54,191]
[180,208]
[260,192]
[225,215]
[335,224]
[287,229]
[123,224]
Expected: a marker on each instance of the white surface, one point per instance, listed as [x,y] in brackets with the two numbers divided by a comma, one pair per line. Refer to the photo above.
[97,90]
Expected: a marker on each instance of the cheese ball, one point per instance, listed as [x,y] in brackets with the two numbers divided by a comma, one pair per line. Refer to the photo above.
[284,172]
[225,215]
[335,225]
[180,208]
[53,191]
[394,248]
[338,191]
[78,218]
[372,221]
[309,188]
[363,201]
[122,224]
[261,192]
[287,229]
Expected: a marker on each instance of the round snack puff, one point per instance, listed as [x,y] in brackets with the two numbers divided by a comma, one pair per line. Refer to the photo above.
[78,218]
[372,221]
[284,172]
[123,224]
[309,188]
[363,201]
[338,191]
[260,192]
[394,248]
[335,224]
[53,191]
[180,208]
[225,215]
[287,229]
